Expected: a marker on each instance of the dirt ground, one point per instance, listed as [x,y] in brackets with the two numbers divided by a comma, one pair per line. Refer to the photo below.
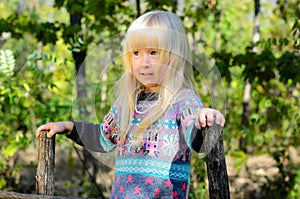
[246,182]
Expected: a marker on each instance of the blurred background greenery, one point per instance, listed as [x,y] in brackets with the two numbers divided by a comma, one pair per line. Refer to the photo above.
[50,50]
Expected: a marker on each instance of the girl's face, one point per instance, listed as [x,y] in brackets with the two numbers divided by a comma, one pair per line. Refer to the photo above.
[147,67]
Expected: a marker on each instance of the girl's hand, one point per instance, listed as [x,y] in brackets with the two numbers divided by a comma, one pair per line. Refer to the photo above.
[207,117]
[55,128]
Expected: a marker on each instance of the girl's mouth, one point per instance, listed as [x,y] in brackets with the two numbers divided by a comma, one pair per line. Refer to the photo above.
[147,74]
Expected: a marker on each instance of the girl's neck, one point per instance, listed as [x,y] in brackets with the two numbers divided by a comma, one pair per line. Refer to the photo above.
[151,88]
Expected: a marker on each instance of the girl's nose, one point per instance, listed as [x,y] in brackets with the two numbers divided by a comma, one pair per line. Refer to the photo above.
[146,60]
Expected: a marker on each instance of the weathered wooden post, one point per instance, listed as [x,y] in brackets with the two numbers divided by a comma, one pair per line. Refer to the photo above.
[44,173]
[45,169]
[215,163]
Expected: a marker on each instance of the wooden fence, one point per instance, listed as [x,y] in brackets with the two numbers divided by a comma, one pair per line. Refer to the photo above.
[215,164]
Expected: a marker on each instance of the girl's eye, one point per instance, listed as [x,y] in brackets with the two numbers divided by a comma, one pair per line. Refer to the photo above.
[136,53]
[154,52]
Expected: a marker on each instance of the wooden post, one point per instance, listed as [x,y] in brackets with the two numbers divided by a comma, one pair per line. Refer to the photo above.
[45,169]
[215,163]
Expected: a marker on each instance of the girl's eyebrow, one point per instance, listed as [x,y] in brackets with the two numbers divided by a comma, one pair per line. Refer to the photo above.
[153,49]
[148,49]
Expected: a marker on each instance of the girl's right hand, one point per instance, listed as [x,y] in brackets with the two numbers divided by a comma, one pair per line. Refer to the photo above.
[55,128]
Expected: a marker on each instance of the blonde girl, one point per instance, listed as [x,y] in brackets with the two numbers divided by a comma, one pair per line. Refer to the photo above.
[156,121]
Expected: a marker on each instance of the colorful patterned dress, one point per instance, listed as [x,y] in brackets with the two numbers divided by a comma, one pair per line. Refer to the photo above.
[159,169]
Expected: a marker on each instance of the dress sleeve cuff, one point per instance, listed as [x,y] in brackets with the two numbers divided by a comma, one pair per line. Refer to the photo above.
[74,135]
[197,139]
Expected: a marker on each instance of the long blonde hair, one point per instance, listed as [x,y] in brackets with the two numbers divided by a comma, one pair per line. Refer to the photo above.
[165,31]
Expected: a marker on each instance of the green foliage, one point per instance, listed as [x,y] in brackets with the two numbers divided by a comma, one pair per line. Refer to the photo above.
[239,157]
[286,183]
[295,191]
[160,5]
[199,187]
[25,101]
[7,63]
[274,75]
[296,33]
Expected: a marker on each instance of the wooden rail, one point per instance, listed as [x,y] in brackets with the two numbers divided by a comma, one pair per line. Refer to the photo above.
[215,163]
[15,195]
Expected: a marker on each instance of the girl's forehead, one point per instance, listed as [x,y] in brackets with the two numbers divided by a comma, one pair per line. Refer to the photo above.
[146,38]
[146,46]
[145,41]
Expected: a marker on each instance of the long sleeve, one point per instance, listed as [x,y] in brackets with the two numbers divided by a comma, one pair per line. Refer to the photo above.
[93,137]
[190,104]
[197,140]
[86,135]
[98,137]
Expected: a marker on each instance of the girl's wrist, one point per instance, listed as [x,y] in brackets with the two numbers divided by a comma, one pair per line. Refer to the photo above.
[69,127]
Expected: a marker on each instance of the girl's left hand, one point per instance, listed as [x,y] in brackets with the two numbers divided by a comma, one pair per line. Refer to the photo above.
[207,117]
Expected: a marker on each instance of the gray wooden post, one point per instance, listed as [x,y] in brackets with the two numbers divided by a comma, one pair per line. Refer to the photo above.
[45,169]
[215,163]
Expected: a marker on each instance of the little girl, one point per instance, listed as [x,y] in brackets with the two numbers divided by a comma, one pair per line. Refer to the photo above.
[155,119]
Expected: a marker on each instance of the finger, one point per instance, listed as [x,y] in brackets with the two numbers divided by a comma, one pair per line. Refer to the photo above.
[210,118]
[50,134]
[202,117]
[39,130]
[37,133]
[220,120]
[197,122]
[44,127]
